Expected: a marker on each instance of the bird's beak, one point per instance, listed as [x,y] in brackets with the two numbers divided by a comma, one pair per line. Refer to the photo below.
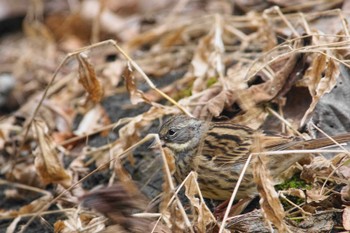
[154,144]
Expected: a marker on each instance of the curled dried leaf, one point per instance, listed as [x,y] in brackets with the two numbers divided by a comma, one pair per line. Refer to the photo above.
[88,79]
[136,96]
[314,195]
[280,84]
[319,166]
[270,204]
[320,85]
[125,178]
[47,164]
[202,216]
[295,192]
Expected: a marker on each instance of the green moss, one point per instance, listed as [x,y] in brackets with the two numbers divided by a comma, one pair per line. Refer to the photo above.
[183,93]
[297,220]
[211,81]
[188,91]
[294,182]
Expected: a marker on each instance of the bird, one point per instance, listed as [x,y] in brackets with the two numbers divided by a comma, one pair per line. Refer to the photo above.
[218,151]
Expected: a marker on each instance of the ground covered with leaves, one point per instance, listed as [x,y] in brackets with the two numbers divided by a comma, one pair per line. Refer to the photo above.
[85,85]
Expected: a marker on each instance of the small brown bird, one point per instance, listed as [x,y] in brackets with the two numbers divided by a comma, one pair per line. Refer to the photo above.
[217,151]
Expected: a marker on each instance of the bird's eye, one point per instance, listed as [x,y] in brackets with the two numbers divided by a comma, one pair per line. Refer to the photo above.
[171,132]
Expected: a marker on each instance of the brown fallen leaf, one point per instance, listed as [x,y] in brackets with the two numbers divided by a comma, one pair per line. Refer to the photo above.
[203,219]
[319,166]
[93,119]
[294,192]
[47,164]
[136,96]
[281,83]
[125,179]
[207,59]
[168,207]
[319,84]
[314,195]
[271,206]
[88,79]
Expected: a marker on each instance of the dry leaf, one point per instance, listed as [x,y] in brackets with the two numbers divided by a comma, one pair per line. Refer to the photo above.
[136,96]
[201,64]
[207,59]
[171,213]
[295,192]
[170,160]
[314,195]
[319,85]
[80,221]
[202,217]
[88,79]
[125,178]
[47,164]
[91,121]
[319,166]
[216,105]
[169,207]
[281,83]
[345,171]
[271,206]
[319,222]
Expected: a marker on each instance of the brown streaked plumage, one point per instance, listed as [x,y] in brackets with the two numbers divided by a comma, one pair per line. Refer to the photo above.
[217,151]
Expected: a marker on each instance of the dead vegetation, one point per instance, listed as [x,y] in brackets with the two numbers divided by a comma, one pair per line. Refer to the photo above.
[78,119]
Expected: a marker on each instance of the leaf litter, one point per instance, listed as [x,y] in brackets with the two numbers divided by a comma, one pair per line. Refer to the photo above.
[272,65]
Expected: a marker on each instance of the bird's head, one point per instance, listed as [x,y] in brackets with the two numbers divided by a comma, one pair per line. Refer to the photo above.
[181,133]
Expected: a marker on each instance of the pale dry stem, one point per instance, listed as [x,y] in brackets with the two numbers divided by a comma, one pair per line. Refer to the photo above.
[293,204]
[284,19]
[25,187]
[48,212]
[284,121]
[234,193]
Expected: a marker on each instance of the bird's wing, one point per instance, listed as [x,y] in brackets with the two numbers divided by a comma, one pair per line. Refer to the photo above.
[276,143]
[226,143]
